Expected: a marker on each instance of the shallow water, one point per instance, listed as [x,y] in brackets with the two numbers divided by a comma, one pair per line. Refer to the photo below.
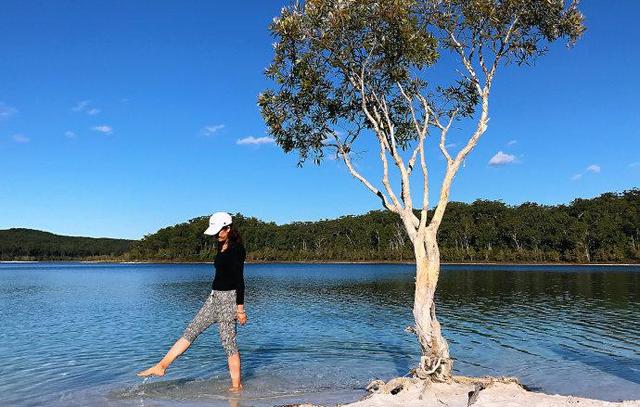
[76,334]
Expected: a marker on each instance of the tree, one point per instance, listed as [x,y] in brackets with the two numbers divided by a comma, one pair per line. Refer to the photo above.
[347,68]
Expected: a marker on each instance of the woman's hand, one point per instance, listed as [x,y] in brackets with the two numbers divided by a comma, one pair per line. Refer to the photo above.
[241,315]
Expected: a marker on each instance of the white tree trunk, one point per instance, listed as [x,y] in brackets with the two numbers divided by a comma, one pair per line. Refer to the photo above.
[435,361]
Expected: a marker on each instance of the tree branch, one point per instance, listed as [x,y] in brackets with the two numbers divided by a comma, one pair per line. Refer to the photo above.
[406,187]
[425,189]
[481,127]
[384,145]
[443,134]
[358,176]
[422,134]
[453,168]
[421,131]
[465,61]
[504,46]
[379,134]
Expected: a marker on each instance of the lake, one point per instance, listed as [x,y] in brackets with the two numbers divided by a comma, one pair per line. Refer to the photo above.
[76,334]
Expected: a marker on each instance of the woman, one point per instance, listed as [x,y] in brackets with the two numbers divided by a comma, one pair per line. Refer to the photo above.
[224,305]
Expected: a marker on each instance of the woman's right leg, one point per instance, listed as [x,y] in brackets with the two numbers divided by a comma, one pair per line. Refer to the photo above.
[230,346]
[203,319]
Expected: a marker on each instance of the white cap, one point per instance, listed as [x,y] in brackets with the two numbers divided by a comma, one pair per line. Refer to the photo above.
[216,222]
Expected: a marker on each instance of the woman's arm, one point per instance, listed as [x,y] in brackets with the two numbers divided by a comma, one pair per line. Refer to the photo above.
[239,276]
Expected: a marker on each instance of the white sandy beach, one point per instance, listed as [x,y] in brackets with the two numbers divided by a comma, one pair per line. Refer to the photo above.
[458,395]
[416,394]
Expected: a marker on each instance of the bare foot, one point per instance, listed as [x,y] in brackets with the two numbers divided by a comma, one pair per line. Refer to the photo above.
[235,389]
[156,370]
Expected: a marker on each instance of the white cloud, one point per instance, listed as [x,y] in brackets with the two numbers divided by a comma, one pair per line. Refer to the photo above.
[451,145]
[512,142]
[81,106]
[6,111]
[20,138]
[70,134]
[634,165]
[211,129]
[84,106]
[593,168]
[103,129]
[502,159]
[254,140]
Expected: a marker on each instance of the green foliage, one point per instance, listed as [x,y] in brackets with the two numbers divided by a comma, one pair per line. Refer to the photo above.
[321,52]
[483,25]
[27,244]
[602,229]
[339,67]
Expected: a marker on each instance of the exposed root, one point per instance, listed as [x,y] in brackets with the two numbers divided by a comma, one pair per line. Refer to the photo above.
[473,395]
[434,368]
[375,386]
[487,380]
[393,386]
[425,388]
[482,383]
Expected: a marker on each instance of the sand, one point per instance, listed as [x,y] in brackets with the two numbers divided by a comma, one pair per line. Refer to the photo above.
[466,393]
[462,395]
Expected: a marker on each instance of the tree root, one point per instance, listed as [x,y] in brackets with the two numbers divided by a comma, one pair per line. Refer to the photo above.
[475,393]
[487,380]
[393,386]
[428,366]
[434,368]
[482,383]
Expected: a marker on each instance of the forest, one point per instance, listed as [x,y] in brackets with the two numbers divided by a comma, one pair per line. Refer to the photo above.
[598,230]
[28,244]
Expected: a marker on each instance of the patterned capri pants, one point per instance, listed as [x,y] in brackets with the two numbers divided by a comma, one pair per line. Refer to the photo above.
[219,307]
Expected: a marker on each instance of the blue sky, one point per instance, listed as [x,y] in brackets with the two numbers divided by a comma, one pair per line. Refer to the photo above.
[118,118]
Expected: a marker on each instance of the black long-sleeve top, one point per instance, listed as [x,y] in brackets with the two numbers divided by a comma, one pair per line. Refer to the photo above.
[230,271]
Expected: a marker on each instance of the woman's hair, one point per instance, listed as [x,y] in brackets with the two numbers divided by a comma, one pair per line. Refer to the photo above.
[233,237]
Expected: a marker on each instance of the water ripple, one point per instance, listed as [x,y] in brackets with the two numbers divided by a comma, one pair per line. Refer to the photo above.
[75,334]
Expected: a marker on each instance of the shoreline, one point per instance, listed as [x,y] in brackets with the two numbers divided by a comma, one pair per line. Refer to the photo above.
[80,261]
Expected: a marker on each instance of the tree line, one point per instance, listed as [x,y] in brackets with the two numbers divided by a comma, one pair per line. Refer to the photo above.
[601,229]
[29,244]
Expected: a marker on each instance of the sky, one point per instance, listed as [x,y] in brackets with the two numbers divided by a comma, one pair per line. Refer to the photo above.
[118,118]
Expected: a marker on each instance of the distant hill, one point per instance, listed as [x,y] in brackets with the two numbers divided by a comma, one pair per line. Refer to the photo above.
[29,244]
[602,229]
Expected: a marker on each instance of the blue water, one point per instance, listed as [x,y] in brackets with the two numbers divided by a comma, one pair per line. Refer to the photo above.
[76,334]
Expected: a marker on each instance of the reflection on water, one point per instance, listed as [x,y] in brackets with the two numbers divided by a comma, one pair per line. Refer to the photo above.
[75,334]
